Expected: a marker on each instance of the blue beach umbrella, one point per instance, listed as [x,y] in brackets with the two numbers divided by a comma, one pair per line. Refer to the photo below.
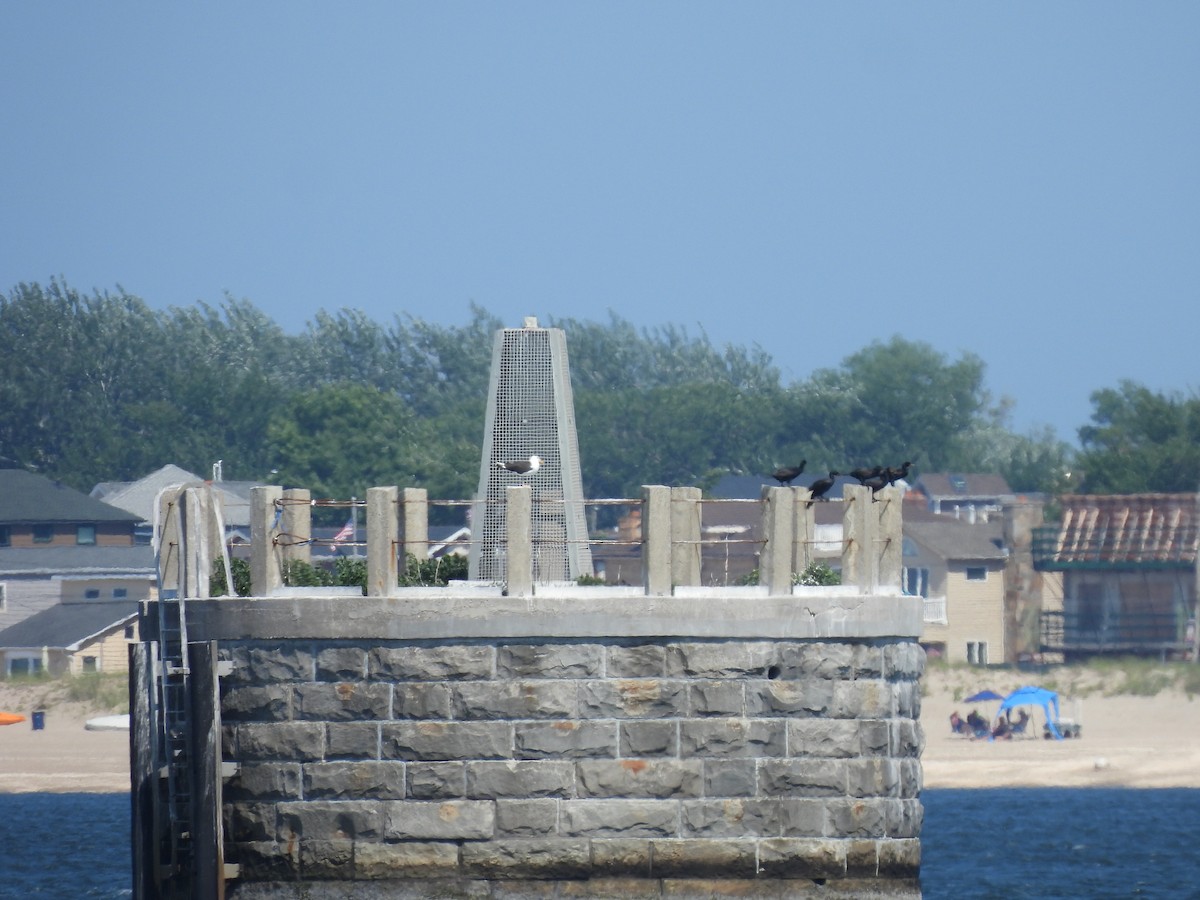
[983,697]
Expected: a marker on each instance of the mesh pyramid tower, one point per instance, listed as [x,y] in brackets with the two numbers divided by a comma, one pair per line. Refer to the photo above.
[531,411]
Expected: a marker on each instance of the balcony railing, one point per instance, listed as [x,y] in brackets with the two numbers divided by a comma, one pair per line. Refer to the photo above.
[1114,633]
[935,611]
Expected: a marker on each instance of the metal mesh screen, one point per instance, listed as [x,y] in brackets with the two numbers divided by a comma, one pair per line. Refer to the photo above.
[531,411]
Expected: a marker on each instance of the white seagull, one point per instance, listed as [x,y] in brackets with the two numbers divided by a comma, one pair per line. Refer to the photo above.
[522,466]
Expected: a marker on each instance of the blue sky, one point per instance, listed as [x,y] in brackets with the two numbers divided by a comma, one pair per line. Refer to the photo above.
[1016,180]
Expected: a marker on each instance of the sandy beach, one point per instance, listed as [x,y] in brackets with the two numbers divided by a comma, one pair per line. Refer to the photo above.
[1127,741]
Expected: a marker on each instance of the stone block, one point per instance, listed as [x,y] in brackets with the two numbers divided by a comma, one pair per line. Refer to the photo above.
[874,737]
[446,740]
[406,859]
[903,818]
[802,778]
[907,739]
[908,699]
[341,664]
[805,817]
[270,664]
[877,777]
[720,659]
[252,821]
[868,661]
[900,858]
[911,778]
[730,777]
[610,888]
[640,778]
[622,856]
[619,818]
[641,661]
[526,818]
[352,740]
[284,741]
[326,860]
[654,737]
[343,701]
[369,780]
[833,738]
[267,860]
[801,858]
[449,820]
[549,661]
[331,820]
[437,780]
[514,700]
[447,662]
[858,818]
[542,858]
[256,703]
[632,698]
[862,858]
[731,818]
[420,700]
[904,660]
[717,698]
[816,659]
[780,697]
[732,738]
[565,740]
[524,779]
[868,698]
[262,782]
[701,857]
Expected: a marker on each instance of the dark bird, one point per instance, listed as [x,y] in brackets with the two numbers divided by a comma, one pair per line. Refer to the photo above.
[522,466]
[877,484]
[785,475]
[863,473]
[821,486]
[893,474]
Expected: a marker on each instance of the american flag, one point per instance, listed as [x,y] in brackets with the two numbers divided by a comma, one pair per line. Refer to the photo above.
[346,533]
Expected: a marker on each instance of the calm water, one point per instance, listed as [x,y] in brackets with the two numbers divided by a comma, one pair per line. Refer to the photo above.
[1012,843]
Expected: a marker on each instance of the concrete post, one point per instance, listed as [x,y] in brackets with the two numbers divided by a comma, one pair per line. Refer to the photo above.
[383,538]
[195,557]
[266,573]
[656,540]
[804,529]
[775,564]
[416,524]
[295,526]
[685,535]
[860,526]
[890,539]
[518,529]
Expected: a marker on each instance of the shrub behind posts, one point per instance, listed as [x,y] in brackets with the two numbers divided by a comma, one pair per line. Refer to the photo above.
[518,525]
[685,535]
[266,572]
[383,537]
[656,540]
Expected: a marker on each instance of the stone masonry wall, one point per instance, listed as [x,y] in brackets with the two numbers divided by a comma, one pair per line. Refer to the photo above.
[627,767]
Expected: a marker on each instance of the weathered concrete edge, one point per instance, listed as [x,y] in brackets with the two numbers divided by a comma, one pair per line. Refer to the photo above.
[424,618]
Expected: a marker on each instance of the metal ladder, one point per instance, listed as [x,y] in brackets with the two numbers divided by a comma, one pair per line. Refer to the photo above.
[175,732]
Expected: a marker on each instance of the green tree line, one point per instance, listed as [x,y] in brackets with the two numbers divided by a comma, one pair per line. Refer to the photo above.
[102,387]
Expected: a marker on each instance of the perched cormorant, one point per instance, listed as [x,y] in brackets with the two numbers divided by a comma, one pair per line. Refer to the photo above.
[863,473]
[522,466]
[785,475]
[821,486]
[893,475]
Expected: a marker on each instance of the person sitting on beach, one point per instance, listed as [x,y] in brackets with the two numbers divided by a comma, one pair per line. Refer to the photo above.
[977,723]
[1002,731]
[1018,727]
[957,725]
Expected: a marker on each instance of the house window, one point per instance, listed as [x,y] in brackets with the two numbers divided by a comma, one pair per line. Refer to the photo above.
[91,594]
[977,653]
[916,581]
[3,597]
[5,536]
[43,534]
[120,593]
[85,534]
[976,573]
[129,632]
[24,666]
[89,664]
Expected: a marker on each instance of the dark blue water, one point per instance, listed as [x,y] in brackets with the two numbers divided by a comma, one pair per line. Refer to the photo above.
[1009,843]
